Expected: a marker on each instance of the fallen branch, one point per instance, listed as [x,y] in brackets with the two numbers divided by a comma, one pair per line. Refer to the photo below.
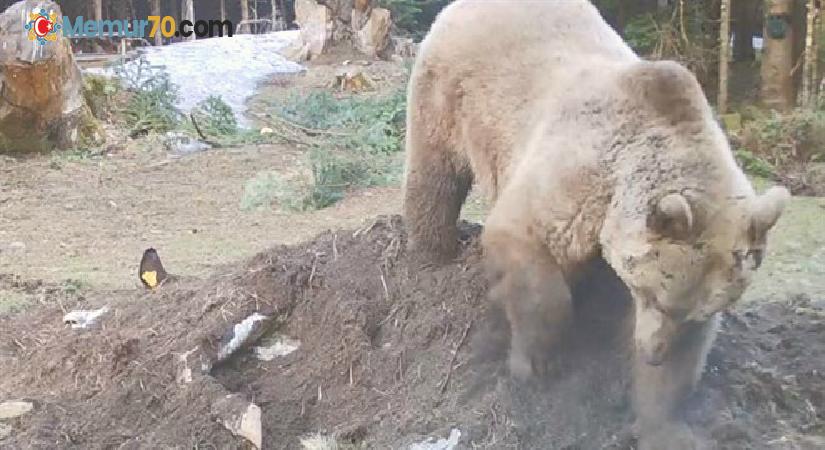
[200,133]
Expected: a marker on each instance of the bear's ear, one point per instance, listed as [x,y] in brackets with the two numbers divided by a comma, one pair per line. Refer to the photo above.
[665,89]
[672,216]
[766,210]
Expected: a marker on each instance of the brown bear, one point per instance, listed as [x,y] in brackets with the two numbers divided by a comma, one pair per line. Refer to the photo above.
[585,151]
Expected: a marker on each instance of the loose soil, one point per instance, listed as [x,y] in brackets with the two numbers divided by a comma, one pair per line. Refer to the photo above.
[391,353]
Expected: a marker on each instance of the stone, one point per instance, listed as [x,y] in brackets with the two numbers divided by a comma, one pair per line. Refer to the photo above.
[12,409]
[240,417]
[373,38]
[41,91]
[316,26]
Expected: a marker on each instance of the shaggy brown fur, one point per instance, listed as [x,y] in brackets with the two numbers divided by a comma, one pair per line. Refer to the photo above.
[585,151]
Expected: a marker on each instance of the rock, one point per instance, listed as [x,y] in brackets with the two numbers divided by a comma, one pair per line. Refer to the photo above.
[5,430]
[43,105]
[373,38]
[316,26]
[12,409]
[266,130]
[240,417]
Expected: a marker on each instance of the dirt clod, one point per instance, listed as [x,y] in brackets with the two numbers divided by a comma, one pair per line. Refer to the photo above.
[390,354]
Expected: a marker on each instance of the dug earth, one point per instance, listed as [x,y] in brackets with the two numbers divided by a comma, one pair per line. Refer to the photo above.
[586,151]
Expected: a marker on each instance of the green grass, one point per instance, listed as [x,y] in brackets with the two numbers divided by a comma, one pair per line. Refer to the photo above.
[795,263]
[354,142]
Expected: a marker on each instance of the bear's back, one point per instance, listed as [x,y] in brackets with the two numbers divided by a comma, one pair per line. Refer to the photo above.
[488,69]
[531,35]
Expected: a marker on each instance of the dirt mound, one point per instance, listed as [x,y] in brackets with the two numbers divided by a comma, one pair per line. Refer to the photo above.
[390,354]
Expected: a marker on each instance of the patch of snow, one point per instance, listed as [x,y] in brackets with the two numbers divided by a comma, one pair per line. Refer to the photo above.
[230,67]
[280,346]
[441,444]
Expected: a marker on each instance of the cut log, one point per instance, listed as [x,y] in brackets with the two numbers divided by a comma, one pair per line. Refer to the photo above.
[41,100]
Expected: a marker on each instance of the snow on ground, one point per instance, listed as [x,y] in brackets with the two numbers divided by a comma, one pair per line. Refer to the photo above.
[227,66]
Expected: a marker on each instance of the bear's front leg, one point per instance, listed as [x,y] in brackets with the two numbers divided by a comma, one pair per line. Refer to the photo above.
[526,280]
[660,390]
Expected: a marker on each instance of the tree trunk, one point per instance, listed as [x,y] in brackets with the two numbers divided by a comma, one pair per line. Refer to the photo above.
[777,60]
[744,27]
[98,9]
[724,49]
[223,10]
[808,73]
[244,10]
[155,8]
[275,21]
[621,17]
[188,13]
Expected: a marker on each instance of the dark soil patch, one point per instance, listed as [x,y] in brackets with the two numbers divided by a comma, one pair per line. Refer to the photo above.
[390,354]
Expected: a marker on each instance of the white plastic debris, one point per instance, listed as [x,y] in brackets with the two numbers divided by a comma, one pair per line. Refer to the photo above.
[182,144]
[81,318]
[12,409]
[278,346]
[441,444]
[319,441]
[240,334]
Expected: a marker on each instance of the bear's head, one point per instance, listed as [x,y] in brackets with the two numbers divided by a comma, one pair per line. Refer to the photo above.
[689,260]
[685,231]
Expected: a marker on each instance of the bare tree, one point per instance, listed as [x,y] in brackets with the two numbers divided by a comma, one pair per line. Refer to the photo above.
[154,7]
[808,71]
[777,60]
[724,51]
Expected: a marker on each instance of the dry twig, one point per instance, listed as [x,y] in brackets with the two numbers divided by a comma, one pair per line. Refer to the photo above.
[446,380]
